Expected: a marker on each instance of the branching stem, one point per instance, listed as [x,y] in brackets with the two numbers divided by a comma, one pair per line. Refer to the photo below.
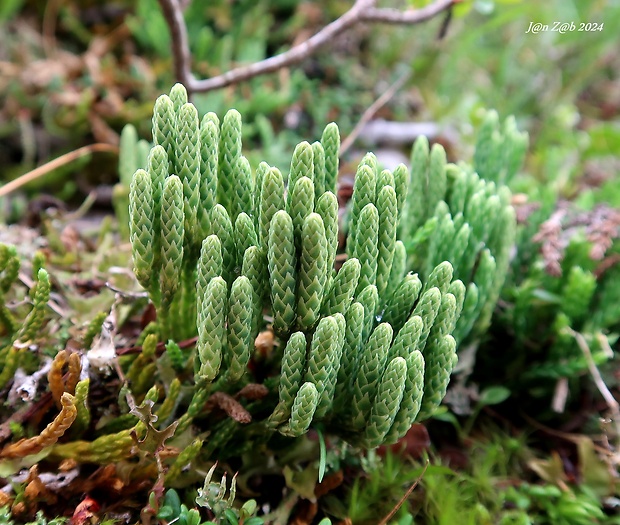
[361,11]
[614,406]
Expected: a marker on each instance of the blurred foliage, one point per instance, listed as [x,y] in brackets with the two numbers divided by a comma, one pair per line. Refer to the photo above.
[494,490]
[564,286]
[75,73]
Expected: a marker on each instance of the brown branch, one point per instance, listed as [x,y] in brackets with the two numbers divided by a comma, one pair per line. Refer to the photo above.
[361,11]
[173,14]
[411,16]
[371,110]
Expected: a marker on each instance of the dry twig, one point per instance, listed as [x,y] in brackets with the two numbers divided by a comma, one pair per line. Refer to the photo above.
[386,520]
[361,11]
[54,164]
[614,406]
[372,109]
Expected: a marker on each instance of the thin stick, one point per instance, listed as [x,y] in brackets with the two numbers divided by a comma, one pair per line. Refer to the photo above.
[385,520]
[568,436]
[388,15]
[56,163]
[372,109]
[613,405]
[180,42]
[361,11]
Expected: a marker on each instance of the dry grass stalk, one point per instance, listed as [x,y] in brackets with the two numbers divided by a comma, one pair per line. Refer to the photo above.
[49,436]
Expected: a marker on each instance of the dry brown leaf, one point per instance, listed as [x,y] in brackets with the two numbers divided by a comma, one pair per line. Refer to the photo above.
[231,406]
[252,391]
[5,499]
[36,490]
[305,512]
[328,484]
[264,343]
[86,512]
[550,470]
[414,443]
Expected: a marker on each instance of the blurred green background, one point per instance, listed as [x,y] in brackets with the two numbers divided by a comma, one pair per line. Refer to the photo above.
[73,73]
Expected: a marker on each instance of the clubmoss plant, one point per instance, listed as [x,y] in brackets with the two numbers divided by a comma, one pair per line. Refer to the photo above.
[18,332]
[464,215]
[268,255]
[133,154]
[265,327]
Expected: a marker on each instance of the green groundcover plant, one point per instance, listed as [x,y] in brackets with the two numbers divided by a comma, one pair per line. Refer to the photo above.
[217,248]
[463,214]
[560,312]
[264,329]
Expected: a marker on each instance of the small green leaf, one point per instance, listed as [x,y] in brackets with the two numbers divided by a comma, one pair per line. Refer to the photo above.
[172,501]
[322,454]
[254,521]
[231,517]
[165,513]
[494,395]
[248,508]
[193,517]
